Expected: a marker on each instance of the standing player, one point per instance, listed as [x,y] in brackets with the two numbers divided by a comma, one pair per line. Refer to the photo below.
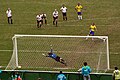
[14,76]
[39,20]
[78,8]
[92,30]
[9,16]
[63,9]
[44,17]
[86,70]
[116,74]
[55,17]
[55,57]
[0,74]
[61,76]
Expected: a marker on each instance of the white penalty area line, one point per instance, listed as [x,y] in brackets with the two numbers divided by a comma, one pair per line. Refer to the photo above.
[54,25]
[84,25]
[24,1]
[74,21]
[36,51]
[54,51]
[91,19]
[6,50]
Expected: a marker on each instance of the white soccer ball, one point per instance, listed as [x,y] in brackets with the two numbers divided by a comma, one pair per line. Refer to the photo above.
[104,39]
[19,66]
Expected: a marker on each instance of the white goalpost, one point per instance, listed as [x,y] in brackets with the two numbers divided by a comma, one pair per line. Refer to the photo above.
[28,50]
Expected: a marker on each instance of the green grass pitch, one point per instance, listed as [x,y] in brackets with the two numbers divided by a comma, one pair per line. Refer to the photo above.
[104,13]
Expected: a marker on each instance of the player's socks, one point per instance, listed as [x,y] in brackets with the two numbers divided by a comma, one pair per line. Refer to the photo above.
[87,37]
[8,21]
[45,21]
[92,38]
[56,23]
[53,22]
[78,16]
[81,17]
[37,26]
[11,21]
[40,25]
[63,18]
[66,18]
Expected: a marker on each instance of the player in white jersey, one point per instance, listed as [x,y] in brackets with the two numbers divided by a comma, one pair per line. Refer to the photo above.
[39,20]
[44,17]
[9,15]
[63,9]
[55,17]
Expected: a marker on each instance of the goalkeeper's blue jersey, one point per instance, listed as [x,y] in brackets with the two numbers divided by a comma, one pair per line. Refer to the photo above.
[61,77]
[53,56]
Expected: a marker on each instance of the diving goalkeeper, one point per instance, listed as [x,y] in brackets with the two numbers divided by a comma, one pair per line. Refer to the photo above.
[55,57]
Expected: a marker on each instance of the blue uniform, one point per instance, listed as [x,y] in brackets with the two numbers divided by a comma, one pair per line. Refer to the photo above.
[54,56]
[86,70]
[14,77]
[61,77]
[0,73]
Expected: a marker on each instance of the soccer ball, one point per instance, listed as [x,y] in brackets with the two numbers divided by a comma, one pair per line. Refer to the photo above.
[19,66]
[104,39]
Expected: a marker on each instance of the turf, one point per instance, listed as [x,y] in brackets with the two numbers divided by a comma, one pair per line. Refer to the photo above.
[104,13]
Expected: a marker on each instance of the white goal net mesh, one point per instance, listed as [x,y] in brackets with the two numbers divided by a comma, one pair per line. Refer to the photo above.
[28,50]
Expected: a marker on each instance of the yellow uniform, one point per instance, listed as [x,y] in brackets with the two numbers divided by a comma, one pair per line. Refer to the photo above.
[92,28]
[117,74]
[78,8]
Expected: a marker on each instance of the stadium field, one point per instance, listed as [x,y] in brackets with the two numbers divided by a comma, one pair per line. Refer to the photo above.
[104,13]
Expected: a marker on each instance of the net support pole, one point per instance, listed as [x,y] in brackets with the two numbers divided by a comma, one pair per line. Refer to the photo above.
[108,62]
[16,55]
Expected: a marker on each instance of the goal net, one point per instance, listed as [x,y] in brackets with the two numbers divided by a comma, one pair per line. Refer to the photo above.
[75,50]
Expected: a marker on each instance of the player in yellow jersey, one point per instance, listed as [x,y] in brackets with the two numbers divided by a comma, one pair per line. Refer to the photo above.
[92,28]
[78,8]
[116,74]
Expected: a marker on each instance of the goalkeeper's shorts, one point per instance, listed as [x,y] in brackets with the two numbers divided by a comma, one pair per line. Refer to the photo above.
[57,59]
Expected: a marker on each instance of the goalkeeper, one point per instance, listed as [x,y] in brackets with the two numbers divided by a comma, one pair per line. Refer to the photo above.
[55,57]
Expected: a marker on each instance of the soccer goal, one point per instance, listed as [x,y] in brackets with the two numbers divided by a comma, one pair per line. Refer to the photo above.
[28,50]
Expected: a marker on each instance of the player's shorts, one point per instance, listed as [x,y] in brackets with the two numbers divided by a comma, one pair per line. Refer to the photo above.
[57,59]
[55,17]
[79,13]
[64,14]
[38,21]
[92,33]
[44,17]
[10,17]
[41,20]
